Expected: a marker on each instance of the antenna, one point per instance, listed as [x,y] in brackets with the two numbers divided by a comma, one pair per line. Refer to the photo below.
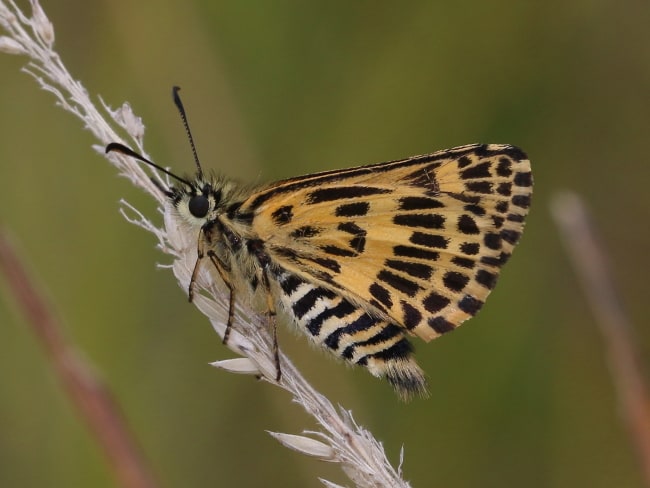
[121,148]
[181,111]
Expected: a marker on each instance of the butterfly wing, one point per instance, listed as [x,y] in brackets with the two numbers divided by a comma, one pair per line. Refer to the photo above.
[418,241]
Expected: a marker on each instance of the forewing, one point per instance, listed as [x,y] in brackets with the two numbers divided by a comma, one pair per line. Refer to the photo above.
[419,241]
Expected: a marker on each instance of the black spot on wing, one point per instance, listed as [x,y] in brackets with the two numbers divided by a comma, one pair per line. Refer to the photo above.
[463,262]
[464,162]
[429,240]
[348,352]
[305,232]
[327,263]
[419,203]
[524,179]
[510,236]
[358,243]
[412,316]
[492,261]
[427,221]
[470,248]
[355,209]
[481,170]
[455,281]
[283,215]
[415,252]
[467,225]
[290,284]
[504,168]
[465,198]
[417,270]
[384,334]
[504,189]
[470,305]
[425,178]
[440,325]
[481,150]
[492,241]
[381,294]
[400,350]
[363,322]
[338,251]
[399,283]
[305,303]
[435,302]
[351,228]
[343,193]
[486,279]
[342,309]
[522,201]
[475,209]
[484,187]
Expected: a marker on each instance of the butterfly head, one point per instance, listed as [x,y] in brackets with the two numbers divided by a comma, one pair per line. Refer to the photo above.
[197,202]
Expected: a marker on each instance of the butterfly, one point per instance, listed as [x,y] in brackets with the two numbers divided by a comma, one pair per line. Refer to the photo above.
[362,259]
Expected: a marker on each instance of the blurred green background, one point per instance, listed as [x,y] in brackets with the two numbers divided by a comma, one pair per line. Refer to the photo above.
[521,395]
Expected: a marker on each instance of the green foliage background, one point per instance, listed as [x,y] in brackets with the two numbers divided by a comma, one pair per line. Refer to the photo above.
[521,395]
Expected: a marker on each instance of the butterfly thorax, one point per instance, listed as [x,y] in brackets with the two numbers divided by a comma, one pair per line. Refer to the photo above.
[211,207]
[206,199]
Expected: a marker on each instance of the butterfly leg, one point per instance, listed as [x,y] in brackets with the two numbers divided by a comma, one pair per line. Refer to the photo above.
[195,271]
[222,269]
[271,315]
[223,273]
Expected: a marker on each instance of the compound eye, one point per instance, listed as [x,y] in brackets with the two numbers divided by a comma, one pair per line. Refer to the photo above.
[199,206]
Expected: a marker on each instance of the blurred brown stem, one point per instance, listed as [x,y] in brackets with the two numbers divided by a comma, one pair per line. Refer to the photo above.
[92,399]
[589,261]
